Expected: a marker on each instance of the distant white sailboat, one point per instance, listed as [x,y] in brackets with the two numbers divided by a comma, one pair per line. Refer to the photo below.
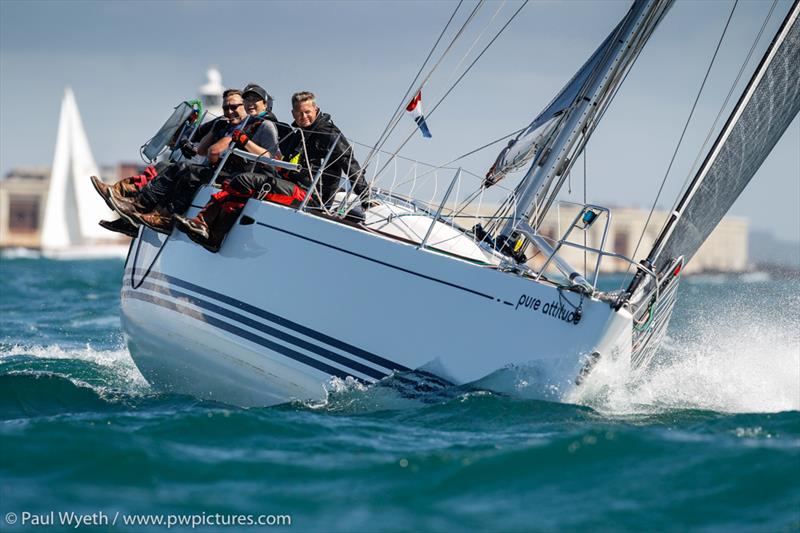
[70,229]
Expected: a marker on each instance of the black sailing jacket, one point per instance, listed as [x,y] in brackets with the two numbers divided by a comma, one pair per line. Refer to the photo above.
[318,138]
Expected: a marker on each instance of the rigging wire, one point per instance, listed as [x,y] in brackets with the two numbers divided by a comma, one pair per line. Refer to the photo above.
[462,156]
[680,140]
[411,85]
[701,152]
[476,41]
[398,112]
[585,149]
[447,164]
[453,86]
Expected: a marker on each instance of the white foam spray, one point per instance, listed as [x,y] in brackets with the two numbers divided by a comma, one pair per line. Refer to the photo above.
[736,362]
[117,362]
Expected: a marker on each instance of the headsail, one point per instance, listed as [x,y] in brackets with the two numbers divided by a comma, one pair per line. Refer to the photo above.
[769,104]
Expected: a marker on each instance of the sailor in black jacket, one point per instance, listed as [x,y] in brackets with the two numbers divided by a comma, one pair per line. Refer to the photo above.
[319,132]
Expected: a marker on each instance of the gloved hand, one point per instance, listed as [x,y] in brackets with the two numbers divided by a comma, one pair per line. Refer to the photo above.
[187,148]
[239,138]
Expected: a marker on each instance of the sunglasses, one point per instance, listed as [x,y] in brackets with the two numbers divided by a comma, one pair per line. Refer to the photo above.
[231,107]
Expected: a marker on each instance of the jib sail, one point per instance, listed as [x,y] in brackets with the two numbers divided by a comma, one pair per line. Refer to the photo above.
[766,108]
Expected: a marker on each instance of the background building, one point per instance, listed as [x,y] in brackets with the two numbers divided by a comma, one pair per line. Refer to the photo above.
[23,193]
[23,201]
[725,250]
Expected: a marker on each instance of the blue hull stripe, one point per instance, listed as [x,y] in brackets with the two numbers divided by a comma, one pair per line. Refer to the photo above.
[268,330]
[275,319]
[401,269]
[239,332]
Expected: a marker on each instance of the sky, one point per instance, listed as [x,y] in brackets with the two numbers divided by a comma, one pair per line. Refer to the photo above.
[129,63]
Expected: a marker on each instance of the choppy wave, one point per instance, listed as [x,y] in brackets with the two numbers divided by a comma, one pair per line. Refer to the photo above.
[35,378]
[495,461]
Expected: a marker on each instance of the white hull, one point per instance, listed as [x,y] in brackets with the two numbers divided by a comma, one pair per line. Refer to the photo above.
[293,299]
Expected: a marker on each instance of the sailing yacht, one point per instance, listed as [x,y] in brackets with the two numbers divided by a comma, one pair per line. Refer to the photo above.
[70,229]
[297,299]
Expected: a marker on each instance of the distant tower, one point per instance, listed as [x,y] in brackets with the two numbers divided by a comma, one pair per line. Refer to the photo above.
[211,93]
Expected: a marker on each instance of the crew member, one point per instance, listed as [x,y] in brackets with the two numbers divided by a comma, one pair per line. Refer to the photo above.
[173,189]
[214,221]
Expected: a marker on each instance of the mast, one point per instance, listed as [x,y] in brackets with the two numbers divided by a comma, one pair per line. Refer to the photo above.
[767,106]
[554,159]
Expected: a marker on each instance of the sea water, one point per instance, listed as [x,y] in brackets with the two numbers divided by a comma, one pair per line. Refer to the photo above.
[707,440]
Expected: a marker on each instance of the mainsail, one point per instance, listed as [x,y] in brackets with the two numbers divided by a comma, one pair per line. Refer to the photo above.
[73,207]
[527,144]
[575,112]
[769,104]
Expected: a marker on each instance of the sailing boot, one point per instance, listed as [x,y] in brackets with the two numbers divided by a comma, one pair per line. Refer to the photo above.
[197,228]
[120,225]
[128,208]
[125,186]
[210,226]
[159,219]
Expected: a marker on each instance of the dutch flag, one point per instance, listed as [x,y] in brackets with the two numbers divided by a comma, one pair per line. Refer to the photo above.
[415,108]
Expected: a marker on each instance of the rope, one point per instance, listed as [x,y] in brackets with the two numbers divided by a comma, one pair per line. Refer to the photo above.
[398,112]
[701,152]
[138,240]
[476,41]
[453,86]
[411,85]
[680,140]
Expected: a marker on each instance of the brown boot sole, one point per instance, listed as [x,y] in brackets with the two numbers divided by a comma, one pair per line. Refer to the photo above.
[199,240]
[183,224]
[125,229]
[118,205]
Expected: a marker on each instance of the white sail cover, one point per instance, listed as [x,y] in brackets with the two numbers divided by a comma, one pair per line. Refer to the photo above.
[525,145]
[73,207]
